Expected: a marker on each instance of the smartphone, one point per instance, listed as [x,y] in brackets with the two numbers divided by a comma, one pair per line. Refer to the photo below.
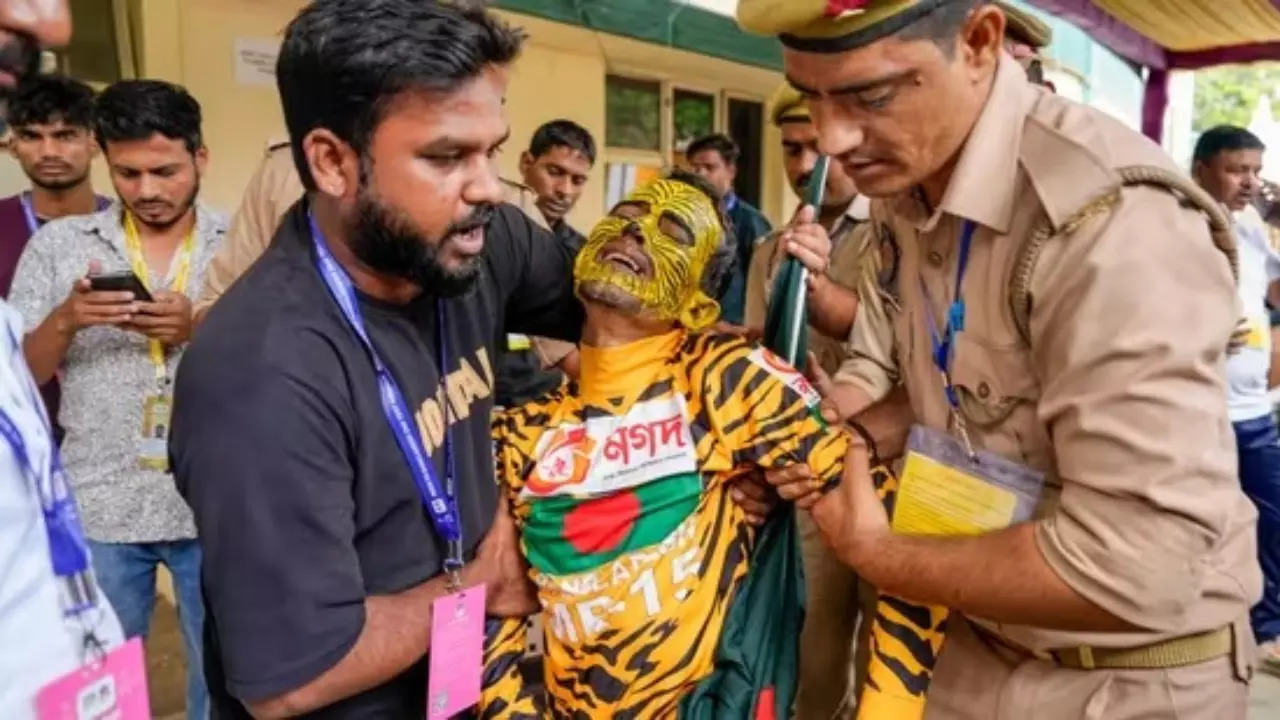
[124,281]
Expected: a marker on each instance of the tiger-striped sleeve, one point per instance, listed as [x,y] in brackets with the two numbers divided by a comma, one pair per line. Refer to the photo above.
[507,465]
[515,433]
[504,694]
[765,412]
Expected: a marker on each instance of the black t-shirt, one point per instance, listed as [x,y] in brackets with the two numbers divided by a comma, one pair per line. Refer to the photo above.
[304,503]
[521,377]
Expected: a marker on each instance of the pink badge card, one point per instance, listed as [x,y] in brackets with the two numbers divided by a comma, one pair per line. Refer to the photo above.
[457,653]
[114,689]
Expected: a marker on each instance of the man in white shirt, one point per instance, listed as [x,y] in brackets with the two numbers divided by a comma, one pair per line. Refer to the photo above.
[1227,161]
[39,643]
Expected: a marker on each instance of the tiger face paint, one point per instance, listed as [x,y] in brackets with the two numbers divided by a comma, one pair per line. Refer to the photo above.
[649,255]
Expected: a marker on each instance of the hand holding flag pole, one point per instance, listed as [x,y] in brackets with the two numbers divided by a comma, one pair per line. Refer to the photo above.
[787,318]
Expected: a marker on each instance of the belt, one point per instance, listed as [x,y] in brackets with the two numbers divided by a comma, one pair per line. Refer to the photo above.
[1177,652]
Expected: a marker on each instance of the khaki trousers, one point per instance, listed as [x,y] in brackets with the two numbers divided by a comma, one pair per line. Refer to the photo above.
[834,647]
[979,679]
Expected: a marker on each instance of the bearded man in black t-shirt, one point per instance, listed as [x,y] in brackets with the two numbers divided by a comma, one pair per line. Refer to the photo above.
[321,565]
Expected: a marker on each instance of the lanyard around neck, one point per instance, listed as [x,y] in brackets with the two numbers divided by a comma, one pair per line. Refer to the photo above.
[943,342]
[439,500]
[68,550]
[133,246]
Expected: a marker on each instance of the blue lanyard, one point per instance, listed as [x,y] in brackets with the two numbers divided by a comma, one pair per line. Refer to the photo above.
[29,212]
[441,503]
[944,343]
[68,550]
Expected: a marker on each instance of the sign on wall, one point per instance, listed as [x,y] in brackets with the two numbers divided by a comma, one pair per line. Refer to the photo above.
[255,61]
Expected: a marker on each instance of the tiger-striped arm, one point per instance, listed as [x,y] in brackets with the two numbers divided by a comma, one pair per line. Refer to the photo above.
[504,694]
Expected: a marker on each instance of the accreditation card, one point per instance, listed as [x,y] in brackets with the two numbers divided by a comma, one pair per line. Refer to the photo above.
[944,490]
[153,446]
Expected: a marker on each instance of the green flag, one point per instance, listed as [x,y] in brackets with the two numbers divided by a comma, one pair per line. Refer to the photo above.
[786,324]
[758,660]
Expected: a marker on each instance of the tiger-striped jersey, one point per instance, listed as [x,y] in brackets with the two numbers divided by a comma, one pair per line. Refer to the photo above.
[619,488]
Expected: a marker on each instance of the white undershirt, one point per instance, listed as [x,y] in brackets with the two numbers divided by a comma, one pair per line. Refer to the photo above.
[37,645]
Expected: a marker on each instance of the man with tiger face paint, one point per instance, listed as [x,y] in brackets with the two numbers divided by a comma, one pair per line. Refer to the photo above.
[621,484]
[650,256]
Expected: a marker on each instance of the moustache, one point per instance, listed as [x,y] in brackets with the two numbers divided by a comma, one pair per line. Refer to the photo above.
[152,204]
[481,216]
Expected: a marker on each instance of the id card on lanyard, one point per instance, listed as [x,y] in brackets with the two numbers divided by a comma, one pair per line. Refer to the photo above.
[153,440]
[457,627]
[948,487]
[107,683]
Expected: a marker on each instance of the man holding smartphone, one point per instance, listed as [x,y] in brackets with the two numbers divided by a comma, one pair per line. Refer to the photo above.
[120,332]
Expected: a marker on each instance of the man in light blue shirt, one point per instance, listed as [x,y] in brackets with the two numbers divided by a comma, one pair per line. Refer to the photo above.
[1227,161]
[38,644]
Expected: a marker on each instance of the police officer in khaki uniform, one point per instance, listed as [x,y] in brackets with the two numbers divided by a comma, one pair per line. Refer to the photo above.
[1062,313]
[272,190]
[868,371]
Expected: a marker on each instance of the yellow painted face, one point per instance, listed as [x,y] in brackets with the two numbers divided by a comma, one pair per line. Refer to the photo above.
[672,227]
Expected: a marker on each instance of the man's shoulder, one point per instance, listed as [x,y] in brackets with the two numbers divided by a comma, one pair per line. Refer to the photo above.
[735,374]
[518,429]
[73,228]
[280,293]
[1073,155]
[745,213]
[523,197]
[714,356]
[211,220]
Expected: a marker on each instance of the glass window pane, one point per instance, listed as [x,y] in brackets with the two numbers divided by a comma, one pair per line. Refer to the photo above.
[622,178]
[633,113]
[695,116]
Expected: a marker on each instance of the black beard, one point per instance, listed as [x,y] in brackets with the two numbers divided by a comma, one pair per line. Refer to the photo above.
[386,241]
[184,206]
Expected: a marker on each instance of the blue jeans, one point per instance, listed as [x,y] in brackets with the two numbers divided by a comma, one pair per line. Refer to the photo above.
[127,575]
[1258,443]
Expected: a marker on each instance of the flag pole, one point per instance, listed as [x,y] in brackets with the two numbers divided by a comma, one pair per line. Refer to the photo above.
[813,198]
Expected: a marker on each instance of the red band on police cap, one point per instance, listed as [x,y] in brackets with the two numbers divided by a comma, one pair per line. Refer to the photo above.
[836,8]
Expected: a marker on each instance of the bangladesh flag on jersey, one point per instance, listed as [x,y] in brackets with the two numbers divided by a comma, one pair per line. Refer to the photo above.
[610,486]
[566,535]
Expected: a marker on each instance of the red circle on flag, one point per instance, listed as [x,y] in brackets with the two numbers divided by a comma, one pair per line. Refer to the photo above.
[603,524]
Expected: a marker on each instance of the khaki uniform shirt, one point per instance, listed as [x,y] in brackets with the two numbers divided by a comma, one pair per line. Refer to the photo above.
[272,190]
[852,257]
[1119,397]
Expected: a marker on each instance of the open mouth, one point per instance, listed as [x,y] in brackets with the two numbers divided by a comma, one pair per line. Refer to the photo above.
[632,263]
[468,242]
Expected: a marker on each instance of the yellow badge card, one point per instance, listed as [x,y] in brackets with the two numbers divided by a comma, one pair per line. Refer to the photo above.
[946,491]
[153,446]
[936,499]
